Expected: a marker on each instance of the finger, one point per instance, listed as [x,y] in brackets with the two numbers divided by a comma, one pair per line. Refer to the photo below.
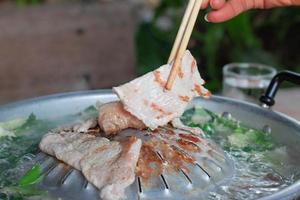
[204,4]
[231,9]
[272,4]
[217,4]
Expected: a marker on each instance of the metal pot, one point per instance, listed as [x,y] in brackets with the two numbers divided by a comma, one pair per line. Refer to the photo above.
[282,127]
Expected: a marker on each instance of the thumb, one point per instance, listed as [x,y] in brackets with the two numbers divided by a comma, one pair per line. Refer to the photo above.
[230,9]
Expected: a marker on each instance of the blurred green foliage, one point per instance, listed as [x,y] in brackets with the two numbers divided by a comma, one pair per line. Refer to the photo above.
[271,37]
[28,2]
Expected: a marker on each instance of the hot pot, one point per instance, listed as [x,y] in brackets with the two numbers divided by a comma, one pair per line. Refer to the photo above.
[283,128]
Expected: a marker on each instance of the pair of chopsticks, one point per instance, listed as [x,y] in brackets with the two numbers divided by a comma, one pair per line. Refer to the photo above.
[182,39]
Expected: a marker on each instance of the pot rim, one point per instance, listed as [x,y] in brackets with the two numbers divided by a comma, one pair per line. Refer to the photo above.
[108,92]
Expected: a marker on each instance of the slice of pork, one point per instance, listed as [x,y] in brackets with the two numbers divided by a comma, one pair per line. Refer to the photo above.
[68,145]
[147,99]
[113,118]
[84,127]
[113,172]
[109,165]
[71,147]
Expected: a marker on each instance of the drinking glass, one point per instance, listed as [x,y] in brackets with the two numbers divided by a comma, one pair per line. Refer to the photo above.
[246,81]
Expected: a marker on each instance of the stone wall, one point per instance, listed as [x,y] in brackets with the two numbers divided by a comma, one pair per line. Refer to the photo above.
[58,48]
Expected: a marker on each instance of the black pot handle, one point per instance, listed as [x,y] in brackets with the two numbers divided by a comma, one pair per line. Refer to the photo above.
[268,98]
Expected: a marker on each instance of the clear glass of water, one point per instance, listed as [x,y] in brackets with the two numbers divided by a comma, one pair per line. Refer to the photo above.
[246,81]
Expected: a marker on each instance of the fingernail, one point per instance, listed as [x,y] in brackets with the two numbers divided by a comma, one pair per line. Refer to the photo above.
[205,18]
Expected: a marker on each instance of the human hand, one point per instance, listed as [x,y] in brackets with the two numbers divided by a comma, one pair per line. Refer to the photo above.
[223,10]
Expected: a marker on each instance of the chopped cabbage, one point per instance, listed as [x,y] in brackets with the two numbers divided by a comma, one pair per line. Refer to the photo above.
[7,128]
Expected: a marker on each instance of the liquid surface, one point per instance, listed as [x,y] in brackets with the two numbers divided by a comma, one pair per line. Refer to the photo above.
[262,166]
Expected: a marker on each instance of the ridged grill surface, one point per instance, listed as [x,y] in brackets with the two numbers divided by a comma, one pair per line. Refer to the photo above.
[192,179]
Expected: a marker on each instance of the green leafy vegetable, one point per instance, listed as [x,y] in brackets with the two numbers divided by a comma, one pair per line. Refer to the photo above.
[90,109]
[7,127]
[5,132]
[33,176]
[16,127]
[32,123]
[19,138]
[236,134]
[17,192]
[240,140]
[87,113]
[12,124]
[200,116]
[26,186]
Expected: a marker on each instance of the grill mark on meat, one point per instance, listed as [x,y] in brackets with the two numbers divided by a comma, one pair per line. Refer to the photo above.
[184,98]
[159,116]
[94,131]
[197,88]
[207,95]
[174,155]
[128,142]
[193,66]
[169,132]
[146,102]
[187,145]
[182,156]
[157,78]
[159,109]
[189,137]
[180,73]
[166,134]
[100,149]
[149,164]
[172,158]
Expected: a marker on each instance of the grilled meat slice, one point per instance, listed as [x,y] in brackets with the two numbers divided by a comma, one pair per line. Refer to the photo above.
[114,118]
[70,147]
[109,165]
[146,98]
[113,172]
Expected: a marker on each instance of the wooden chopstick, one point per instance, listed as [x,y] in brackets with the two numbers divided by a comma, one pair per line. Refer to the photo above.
[185,37]
[182,29]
